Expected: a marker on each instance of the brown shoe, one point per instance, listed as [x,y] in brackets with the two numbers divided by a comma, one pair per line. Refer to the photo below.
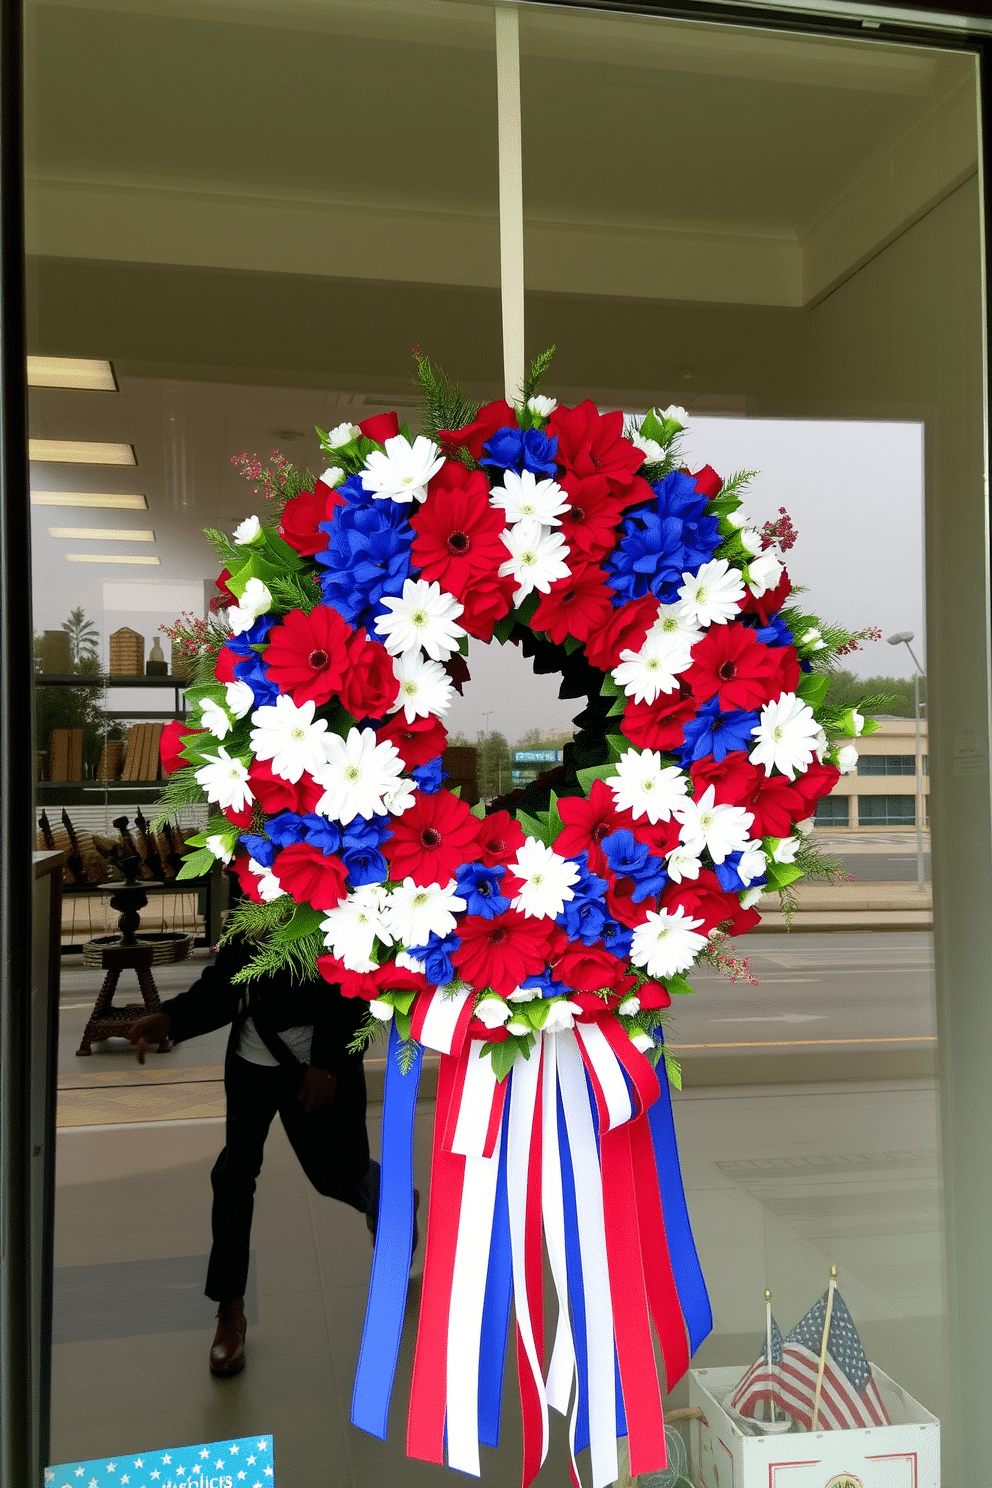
[227,1352]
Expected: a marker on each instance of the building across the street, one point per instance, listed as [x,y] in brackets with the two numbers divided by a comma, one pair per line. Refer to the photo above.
[882,792]
[527,764]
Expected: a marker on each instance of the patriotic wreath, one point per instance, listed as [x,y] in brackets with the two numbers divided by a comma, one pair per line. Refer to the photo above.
[563,922]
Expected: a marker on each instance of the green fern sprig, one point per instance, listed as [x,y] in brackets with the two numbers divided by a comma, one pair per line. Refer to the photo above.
[222,546]
[737,484]
[444,405]
[295,591]
[536,373]
[255,921]
[298,958]
[181,789]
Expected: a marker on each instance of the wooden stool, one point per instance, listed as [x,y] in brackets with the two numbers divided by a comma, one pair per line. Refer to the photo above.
[128,953]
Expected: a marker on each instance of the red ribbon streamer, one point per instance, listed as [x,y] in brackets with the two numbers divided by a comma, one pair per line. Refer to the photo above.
[663,1296]
[531,1411]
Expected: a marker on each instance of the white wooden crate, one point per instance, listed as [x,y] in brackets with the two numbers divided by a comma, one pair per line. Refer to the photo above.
[903,1455]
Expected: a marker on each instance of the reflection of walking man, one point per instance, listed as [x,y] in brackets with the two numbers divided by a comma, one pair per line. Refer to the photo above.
[287,1052]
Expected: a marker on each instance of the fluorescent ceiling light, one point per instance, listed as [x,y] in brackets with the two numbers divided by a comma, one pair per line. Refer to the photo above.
[111,500]
[104,534]
[71,372]
[110,558]
[81,452]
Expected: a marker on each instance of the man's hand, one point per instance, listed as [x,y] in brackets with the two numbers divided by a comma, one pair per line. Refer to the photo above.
[318,1089]
[152,1029]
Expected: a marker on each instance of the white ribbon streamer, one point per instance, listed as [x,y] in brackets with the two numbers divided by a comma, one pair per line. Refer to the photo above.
[441,1019]
[523,1100]
[476,1107]
[608,1072]
[561,1370]
[468,1295]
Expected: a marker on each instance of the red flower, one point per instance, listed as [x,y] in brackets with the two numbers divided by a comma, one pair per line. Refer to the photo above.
[478,1030]
[660,836]
[816,781]
[592,443]
[500,839]
[380,427]
[578,605]
[587,822]
[174,736]
[622,907]
[417,742]
[369,683]
[708,483]
[634,492]
[654,995]
[588,968]
[224,597]
[734,779]
[370,984]
[494,416]
[626,628]
[589,524]
[703,899]
[458,532]
[227,660]
[310,876]
[275,795]
[731,665]
[659,725]
[500,953]
[247,879]
[300,522]
[484,604]
[770,602]
[775,804]
[242,818]
[307,654]
[432,838]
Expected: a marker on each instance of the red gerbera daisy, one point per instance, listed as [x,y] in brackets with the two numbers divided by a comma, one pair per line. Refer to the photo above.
[311,876]
[500,839]
[578,605]
[417,742]
[626,627]
[432,838]
[703,899]
[500,953]
[775,804]
[458,532]
[733,780]
[587,822]
[307,655]
[592,443]
[731,665]
[588,526]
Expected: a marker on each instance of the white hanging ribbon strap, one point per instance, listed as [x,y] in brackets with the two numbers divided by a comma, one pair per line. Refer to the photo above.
[511,197]
[524,1095]
[468,1294]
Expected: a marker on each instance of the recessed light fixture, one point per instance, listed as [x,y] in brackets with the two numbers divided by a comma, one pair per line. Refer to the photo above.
[110,558]
[104,534]
[110,500]
[81,452]
[71,372]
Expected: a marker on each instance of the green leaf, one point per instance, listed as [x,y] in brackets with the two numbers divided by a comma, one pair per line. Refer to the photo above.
[617,745]
[673,1070]
[652,427]
[278,550]
[812,688]
[403,1025]
[677,985]
[502,628]
[535,373]
[572,643]
[254,567]
[402,1001]
[532,826]
[503,1056]
[619,707]
[525,611]
[197,864]
[595,772]
[780,875]
[553,818]
[478,810]
[305,921]
[609,688]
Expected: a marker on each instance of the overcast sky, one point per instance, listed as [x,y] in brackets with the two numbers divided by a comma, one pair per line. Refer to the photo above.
[855,494]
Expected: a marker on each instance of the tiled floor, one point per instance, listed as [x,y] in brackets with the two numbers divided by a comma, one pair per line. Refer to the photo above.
[782,1180]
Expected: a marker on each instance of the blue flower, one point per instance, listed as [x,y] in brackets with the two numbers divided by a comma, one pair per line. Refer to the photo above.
[365,831]
[632,859]
[255,635]
[322,833]
[286,828]
[480,887]
[436,956]
[260,848]
[254,671]
[775,633]
[716,733]
[516,449]
[367,557]
[584,914]
[545,985]
[365,865]
[662,540]
[730,880]
[617,938]
[430,777]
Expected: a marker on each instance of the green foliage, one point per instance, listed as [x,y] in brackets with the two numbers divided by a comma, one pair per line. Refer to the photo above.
[84,638]
[254,921]
[298,958]
[536,373]
[735,485]
[223,547]
[181,789]
[874,694]
[444,406]
[295,591]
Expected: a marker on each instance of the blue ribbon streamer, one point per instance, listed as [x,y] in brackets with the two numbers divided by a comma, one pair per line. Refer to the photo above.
[496,1306]
[573,1266]
[682,1248]
[393,1247]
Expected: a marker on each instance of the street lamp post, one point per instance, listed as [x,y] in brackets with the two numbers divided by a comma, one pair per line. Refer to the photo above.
[903,638]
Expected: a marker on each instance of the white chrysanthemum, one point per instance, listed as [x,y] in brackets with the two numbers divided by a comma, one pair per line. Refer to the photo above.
[763,573]
[425,687]
[786,850]
[240,698]
[402,470]
[493,1012]
[642,1041]
[523,994]
[351,927]
[713,595]
[381,1010]
[720,829]
[255,601]
[547,880]
[247,531]
[655,667]
[629,1006]
[653,451]
[341,435]
[225,781]
[682,863]
[290,737]
[537,558]
[749,897]
[407,962]
[332,475]
[646,787]
[524,497]
[847,759]
[220,847]
[673,621]
[544,407]
[674,414]
[787,736]
[215,719]
[752,540]
[561,1015]
[417,911]
[752,863]
[422,616]
[401,797]
[267,884]
[357,775]
[666,943]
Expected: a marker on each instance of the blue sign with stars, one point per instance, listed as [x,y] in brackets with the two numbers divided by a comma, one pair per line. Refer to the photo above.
[245,1463]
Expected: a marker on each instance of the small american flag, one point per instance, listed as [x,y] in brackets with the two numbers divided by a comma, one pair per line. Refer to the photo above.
[761,1382]
[849,1397]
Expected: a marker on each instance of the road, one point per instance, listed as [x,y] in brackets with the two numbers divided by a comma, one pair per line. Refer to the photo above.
[883,868]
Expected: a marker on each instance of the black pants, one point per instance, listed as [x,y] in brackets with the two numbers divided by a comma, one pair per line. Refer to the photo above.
[332,1146]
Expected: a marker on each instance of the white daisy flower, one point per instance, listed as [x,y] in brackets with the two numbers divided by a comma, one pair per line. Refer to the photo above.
[786,850]
[713,595]
[751,538]
[401,471]
[220,847]
[268,885]
[240,698]
[847,758]
[381,1010]
[401,797]
[537,558]
[351,927]
[681,864]
[721,830]
[425,687]
[524,497]
[666,943]
[673,621]
[787,736]
[423,616]
[542,406]
[255,601]
[653,451]
[642,1041]
[357,774]
[417,911]
[561,1015]
[752,862]
[547,880]
[493,1012]
[341,435]
[290,737]
[332,476]
[225,781]
[645,787]
[763,573]
[215,718]
[654,668]
[407,962]
[247,531]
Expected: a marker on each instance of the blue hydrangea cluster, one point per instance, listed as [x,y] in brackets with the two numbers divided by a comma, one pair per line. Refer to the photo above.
[661,541]
[367,555]
[521,449]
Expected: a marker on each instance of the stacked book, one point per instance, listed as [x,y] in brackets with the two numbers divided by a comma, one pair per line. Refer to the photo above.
[142,761]
[65,754]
